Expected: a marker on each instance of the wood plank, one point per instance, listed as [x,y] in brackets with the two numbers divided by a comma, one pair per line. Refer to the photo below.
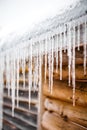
[52,121]
[17,123]
[79,73]
[76,114]
[20,109]
[8,126]
[63,92]
[20,117]
[21,99]
[79,57]
[23,89]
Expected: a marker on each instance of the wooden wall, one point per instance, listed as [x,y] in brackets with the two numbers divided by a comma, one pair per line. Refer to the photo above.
[24,118]
[52,111]
[59,112]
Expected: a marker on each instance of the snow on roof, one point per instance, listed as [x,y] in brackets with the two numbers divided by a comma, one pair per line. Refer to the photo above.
[73,12]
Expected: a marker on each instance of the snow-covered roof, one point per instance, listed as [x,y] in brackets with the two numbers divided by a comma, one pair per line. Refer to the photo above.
[47,38]
[73,12]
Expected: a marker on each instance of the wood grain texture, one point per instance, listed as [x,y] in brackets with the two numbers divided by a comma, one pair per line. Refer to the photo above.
[76,114]
[62,91]
[52,121]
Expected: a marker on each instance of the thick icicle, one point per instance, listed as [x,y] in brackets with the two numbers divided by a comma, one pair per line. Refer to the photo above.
[8,73]
[24,62]
[73,65]
[60,49]
[40,64]
[85,46]
[56,51]
[64,38]
[1,89]
[35,72]
[41,51]
[49,67]
[13,83]
[52,65]
[45,59]
[40,82]
[30,74]
[78,36]
[17,77]
[69,52]
[40,77]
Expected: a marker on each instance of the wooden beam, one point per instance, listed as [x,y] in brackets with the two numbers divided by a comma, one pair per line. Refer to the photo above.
[65,93]
[76,114]
[79,73]
[52,121]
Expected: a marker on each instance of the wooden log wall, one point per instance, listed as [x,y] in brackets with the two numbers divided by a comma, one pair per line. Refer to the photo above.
[59,112]
[24,118]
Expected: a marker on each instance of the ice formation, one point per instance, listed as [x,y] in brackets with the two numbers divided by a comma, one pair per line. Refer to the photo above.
[45,49]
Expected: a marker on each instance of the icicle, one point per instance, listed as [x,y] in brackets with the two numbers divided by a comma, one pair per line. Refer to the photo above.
[56,53]
[40,75]
[1,89]
[24,69]
[40,79]
[35,72]
[42,42]
[85,46]
[61,38]
[8,73]
[64,38]
[30,74]
[45,59]
[73,65]
[49,67]
[13,84]
[69,52]
[17,77]
[78,36]
[52,66]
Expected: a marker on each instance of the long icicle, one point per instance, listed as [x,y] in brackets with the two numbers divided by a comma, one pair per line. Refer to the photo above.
[37,71]
[34,74]
[56,53]
[30,74]
[45,59]
[73,65]
[39,84]
[78,36]
[49,68]
[8,73]
[40,76]
[13,85]
[64,38]
[17,77]
[52,65]
[69,53]
[61,38]
[24,69]
[85,46]
[1,90]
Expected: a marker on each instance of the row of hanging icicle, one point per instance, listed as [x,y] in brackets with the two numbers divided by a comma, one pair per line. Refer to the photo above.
[66,37]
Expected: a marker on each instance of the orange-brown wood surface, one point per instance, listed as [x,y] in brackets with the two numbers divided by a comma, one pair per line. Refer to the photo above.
[63,92]
[76,114]
[79,73]
[52,121]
